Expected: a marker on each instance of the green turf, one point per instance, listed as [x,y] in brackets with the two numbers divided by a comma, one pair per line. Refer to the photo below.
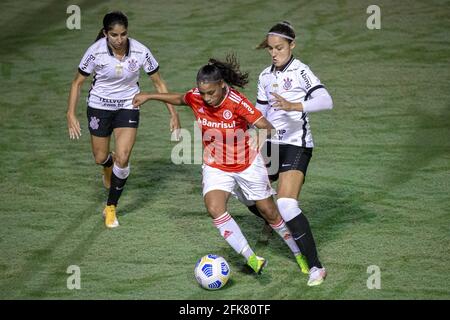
[377,191]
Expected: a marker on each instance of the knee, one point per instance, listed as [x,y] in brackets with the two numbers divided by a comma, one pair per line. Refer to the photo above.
[270,214]
[100,158]
[289,208]
[121,159]
[215,210]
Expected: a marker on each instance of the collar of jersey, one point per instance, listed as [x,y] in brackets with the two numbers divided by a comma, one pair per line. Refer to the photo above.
[111,53]
[284,68]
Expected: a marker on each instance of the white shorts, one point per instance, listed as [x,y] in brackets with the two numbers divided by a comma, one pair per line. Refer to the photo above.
[253,181]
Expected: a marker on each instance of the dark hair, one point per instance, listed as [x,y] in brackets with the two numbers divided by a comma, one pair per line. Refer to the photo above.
[110,20]
[228,71]
[283,28]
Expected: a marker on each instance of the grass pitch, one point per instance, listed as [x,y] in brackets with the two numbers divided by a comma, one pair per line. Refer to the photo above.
[377,191]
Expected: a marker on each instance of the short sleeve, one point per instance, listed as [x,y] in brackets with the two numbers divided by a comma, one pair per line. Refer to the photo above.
[188,97]
[261,96]
[150,65]
[87,63]
[262,102]
[308,81]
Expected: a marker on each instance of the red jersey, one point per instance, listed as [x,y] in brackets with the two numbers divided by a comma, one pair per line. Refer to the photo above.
[224,129]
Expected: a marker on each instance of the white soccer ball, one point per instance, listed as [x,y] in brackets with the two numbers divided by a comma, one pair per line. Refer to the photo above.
[212,272]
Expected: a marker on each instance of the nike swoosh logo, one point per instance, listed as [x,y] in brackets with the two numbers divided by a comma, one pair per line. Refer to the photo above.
[299,237]
[131,121]
[118,189]
[285,165]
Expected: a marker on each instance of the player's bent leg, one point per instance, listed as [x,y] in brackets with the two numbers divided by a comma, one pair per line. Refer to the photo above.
[289,187]
[215,202]
[266,231]
[124,141]
[107,170]
[102,156]
[269,209]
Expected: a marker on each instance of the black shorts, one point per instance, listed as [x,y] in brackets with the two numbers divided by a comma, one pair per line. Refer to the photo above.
[290,157]
[101,123]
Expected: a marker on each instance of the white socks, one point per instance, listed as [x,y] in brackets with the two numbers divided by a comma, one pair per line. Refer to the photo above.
[285,234]
[121,173]
[231,232]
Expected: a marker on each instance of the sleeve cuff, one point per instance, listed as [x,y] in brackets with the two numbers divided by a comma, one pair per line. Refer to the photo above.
[261,101]
[83,73]
[153,71]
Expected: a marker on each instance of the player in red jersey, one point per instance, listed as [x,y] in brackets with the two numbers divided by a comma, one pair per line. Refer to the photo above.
[224,115]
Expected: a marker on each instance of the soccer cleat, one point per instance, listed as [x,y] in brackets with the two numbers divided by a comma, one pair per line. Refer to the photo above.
[316,276]
[109,213]
[256,263]
[303,263]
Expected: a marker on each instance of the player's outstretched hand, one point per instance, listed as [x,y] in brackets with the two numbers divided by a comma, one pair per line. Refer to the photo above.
[74,127]
[175,127]
[282,104]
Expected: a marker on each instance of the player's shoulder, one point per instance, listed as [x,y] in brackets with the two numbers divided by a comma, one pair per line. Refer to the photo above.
[239,100]
[137,47]
[235,96]
[194,91]
[192,95]
[99,47]
[135,44]
[299,66]
[266,72]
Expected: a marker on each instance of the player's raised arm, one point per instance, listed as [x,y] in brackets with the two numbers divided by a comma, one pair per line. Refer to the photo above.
[171,98]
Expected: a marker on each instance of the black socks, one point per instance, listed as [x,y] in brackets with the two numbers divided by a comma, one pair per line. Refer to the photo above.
[301,232]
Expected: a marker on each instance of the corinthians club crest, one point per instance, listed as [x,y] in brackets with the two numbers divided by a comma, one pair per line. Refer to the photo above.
[132,65]
[287,84]
[94,123]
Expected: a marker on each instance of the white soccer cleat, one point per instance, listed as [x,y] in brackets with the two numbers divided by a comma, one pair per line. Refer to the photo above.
[316,276]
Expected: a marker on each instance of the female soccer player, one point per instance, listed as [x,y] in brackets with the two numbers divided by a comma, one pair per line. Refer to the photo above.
[115,59]
[287,91]
[223,115]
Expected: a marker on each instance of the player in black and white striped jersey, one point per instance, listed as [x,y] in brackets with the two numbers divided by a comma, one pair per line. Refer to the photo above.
[115,60]
[287,91]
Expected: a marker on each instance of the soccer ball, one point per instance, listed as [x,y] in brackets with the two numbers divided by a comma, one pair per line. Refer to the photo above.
[212,272]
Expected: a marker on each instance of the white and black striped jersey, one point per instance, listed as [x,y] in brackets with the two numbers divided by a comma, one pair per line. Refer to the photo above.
[295,82]
[115,81]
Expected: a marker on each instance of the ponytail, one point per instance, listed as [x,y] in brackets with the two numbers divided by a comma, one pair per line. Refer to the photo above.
[227,71]
[100,35]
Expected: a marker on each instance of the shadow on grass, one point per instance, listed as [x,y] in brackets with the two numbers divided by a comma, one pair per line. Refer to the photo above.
[151,183]
[157,172]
